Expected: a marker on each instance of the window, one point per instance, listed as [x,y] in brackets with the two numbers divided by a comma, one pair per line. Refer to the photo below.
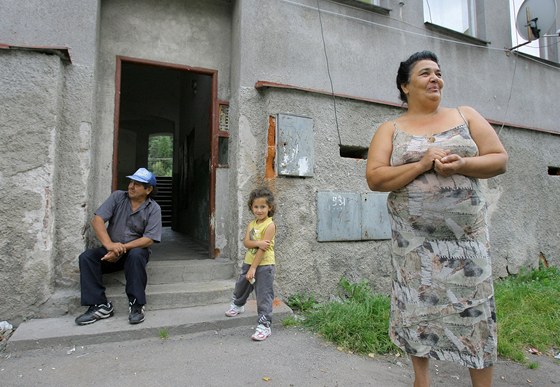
[377,6]
[223,134]
[456,15]
[160,154]
[546,47]
[372,2]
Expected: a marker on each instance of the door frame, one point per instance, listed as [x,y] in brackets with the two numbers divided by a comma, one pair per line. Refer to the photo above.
[214,129]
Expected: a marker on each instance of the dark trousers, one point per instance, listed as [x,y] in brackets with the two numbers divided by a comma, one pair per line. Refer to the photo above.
[264,280]
[92,269]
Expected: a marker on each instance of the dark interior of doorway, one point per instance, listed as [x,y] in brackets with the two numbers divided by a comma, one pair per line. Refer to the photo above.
[160,100]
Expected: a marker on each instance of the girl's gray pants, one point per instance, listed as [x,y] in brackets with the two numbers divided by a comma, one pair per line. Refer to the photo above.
[264,291]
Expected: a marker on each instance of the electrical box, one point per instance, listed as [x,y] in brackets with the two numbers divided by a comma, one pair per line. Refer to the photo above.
[375,217]
[352,216]
[294,139]
[338,216]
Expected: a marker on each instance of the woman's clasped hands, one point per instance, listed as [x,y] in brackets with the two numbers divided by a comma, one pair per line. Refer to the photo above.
[442,162]
[449,165]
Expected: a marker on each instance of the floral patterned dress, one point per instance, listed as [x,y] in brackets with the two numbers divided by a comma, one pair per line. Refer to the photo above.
[442,303]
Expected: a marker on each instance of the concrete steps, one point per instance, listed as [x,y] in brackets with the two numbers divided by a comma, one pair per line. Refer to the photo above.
[63,332]
[178,295]
[184,296]
[171,284]
[162,272]
[179,284]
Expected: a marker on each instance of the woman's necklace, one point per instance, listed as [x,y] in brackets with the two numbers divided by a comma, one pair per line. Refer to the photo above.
[430,137]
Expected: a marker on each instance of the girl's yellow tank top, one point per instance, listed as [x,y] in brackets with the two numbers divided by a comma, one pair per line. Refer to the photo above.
[256,233]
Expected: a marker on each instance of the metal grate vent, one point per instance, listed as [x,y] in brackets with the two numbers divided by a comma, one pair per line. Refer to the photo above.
[224,118]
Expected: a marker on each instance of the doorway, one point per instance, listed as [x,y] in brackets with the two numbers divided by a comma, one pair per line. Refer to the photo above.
[164,122]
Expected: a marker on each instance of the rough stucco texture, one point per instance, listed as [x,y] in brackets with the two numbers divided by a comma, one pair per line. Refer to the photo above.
[28,127]
[518,231]
[303,263]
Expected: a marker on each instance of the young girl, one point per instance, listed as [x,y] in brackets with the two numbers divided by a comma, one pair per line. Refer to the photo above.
[258,267]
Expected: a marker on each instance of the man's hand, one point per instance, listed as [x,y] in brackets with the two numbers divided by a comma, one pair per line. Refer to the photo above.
[111,256]
[118,248]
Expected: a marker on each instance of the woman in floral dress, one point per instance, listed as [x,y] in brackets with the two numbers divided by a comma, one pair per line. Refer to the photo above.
[430,159]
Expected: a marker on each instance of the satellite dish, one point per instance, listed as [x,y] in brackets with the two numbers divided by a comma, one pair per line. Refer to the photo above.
[534,17]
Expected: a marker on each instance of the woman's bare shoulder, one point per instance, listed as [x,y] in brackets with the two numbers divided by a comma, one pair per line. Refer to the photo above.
[388,127]
[468,111]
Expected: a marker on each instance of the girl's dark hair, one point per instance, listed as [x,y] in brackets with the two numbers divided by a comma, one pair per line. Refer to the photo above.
[262,193]
[403,75]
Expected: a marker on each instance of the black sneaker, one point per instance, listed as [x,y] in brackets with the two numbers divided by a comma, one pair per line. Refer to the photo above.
[136,313]
[94,313]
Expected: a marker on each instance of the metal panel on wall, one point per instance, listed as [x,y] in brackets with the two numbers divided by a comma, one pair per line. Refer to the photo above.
[352,216]
[338,216]
[375,217]
[294,138]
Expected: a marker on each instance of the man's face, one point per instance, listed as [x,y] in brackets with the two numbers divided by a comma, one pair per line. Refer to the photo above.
[137,190]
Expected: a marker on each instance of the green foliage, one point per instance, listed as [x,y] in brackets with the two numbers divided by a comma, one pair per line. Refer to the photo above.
[359,322]
[528,313]
[291,322]
[163,333]
[533,365]
[302,302]
[160,155]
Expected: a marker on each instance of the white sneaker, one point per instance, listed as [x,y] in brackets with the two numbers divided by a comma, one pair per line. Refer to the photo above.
[261,333]
[234,310]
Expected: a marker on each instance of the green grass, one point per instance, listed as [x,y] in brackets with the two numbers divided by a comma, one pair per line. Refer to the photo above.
[528,313]
[163,333]
[358,322]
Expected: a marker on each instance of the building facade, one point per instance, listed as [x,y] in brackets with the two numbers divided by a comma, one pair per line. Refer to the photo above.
[283,93]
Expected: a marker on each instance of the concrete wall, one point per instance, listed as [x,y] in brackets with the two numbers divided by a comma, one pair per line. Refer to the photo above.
[193,33]
[364,50]
[71,174]
[186,33]
[47,111]
[63,115]
[29,128]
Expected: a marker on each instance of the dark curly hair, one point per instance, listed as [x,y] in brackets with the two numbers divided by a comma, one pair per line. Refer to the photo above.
[403,75]
[262,193]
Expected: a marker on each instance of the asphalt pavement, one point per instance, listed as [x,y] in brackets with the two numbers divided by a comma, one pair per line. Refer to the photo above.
[228,357]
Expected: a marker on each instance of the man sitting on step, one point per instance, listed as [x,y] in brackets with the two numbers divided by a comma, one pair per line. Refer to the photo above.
[134,224]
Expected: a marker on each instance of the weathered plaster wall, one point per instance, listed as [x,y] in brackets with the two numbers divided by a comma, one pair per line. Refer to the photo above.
[364,50]
[29,125]
[364,55]
[303,263]
[56,132]
[522,218]
[63,170]
[186,33]
[526,221]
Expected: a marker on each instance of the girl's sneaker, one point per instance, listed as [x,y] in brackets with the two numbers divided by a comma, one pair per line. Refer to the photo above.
[261,333]
[234,310]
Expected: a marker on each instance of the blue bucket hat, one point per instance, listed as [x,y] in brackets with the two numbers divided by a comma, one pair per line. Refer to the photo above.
[144,176]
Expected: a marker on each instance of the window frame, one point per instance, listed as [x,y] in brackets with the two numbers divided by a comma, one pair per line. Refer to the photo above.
[476,24]
[382,8]
[223,134]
